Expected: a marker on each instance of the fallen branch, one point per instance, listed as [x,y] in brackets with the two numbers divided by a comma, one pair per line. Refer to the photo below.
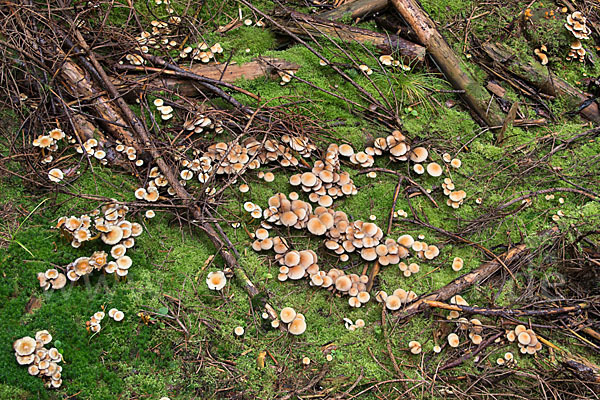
[475,95]
[354,9]
[540,77]
[306,26]
[458,285]
[467,356]
[507,312]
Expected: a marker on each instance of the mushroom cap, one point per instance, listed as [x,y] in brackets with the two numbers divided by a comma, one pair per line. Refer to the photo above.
[216,280]
[59,282]
[343,283]
[456,163]
[24,346]
[393,302]
[292,258]
[33,370]
[25,360]
[406,241]
[297,326]
[519,329]
[111,312]
[44,336]
[368,254]
[239,330]
[136,229]
[288,218]
[287,315]
[316,227]
[295,180]
[364,297]
[124,262]
[296,272]
[524,338]
[113,236]
[434,169]
[419,154]
[453,340]
[346,150]
[476,339]
[119,315]
[308,179]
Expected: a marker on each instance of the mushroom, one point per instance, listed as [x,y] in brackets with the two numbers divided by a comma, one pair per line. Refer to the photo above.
[239,330]
[434,169]
[55,175]
[414,346]
[393,302]
[287,315]
[297,326]
[453,340]
[24,346]
[118,316]
[457,264]
[113,236]
[216,280]
[419,154]
[59,282]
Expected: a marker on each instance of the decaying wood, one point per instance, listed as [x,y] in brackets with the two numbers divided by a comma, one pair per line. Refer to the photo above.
[540,77]
[230,73]
[355,9]
[81,86]
[463,282]
[475,95]
[307,26]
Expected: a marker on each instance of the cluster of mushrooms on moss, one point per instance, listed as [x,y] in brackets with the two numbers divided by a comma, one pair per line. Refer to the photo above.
[40,360]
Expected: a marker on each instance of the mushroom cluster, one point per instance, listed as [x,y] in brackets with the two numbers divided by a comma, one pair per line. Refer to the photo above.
[474,327]
[576,24]
[49,143]
[112,227]
[576,51]
[398,147]
[389,61]
[414,347]
[455,197]
[397,299]
[296,323]
[40,360]
[508,359]
[325,182]
[202,52]
[159,35]
[297,264]
[129,152]
[92,148]
[541,54]
[166,111]
[93,325]
[198,122]
[526,339]
[286,76]
[286,212]
[116,314]
[352,326]
[458,300]
[52,279]
[457,264]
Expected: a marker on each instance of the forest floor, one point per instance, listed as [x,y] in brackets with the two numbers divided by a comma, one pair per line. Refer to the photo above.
[177,338]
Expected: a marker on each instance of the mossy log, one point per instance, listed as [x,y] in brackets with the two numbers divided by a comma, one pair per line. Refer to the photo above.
[306,26]
[540,77]
[475,95]
[355,9]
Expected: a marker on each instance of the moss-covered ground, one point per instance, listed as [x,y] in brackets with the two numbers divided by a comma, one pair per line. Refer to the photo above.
[198,356]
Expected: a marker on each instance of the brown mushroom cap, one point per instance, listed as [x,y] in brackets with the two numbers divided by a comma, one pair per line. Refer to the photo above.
[453,340]
[316,227]
[393,302]
[24,346]
[368,254]
[59,282]
[308,179]
[297,326]
[524,338]
[346,150]
[434,169]
[343,283]
[113,236]
[419,154]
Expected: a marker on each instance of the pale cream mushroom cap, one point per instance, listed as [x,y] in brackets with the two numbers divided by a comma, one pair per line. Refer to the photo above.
[287,314]
[24,346]
[297,326]
[113,236]
[434,169]
[216,280]
[393,302]
[453,340]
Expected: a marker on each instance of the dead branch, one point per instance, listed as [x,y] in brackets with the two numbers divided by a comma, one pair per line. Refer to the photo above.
[355,9]
[540,77]
[306,26]
[507,312]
